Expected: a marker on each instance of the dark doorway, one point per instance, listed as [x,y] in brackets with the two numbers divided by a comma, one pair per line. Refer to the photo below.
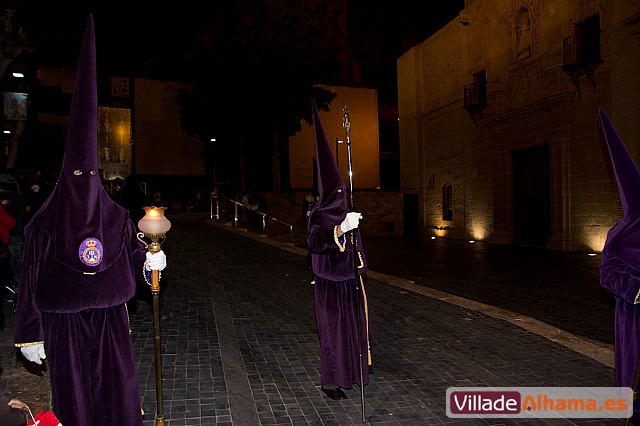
[532,196]
[410,215]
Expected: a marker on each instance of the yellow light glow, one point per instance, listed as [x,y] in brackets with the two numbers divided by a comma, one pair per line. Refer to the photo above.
[121,132]
[478,232]
[440,232]
[596,242]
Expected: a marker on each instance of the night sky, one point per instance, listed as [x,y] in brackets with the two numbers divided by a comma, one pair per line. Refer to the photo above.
[250,44]
[158,40]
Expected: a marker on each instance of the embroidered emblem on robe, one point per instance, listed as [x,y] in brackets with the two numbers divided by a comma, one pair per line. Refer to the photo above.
[90,251]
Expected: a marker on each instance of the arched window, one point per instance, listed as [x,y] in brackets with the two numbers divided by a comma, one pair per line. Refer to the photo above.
[447,202]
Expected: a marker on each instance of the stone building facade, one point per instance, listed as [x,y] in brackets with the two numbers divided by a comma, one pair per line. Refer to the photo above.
[500,138]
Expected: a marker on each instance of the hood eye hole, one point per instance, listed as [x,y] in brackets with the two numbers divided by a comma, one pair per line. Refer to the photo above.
[77,172]
[92,172]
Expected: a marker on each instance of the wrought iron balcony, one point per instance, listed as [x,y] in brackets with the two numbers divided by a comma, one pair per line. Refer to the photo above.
[581,56]
[581,51]
[475,96]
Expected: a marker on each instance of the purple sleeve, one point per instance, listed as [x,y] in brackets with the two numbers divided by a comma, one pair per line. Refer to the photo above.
[321,239]
[619,278]
[332,257]
[28,319]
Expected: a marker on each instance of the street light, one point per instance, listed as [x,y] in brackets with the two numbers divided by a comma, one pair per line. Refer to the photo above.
[154,226]
[338,141]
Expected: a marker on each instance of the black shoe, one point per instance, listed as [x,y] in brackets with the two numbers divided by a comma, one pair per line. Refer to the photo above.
[335,393]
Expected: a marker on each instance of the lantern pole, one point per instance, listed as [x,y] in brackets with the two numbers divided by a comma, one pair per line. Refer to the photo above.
[154,226]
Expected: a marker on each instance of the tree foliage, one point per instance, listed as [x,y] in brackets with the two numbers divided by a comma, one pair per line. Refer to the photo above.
[255,74]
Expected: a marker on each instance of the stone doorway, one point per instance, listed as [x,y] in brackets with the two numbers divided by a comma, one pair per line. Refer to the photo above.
[532,196]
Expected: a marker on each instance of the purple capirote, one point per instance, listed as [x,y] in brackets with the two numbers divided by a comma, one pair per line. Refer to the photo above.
[620,264]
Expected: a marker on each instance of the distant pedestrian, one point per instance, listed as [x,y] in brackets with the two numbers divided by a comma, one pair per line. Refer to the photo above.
[7,223]
[339,307]
[133,198]
[158,200]
[253,215]
[16,205]
[307,204]
[620,264]
[36,192]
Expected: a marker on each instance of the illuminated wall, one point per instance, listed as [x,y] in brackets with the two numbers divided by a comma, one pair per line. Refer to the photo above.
[161,147]
[531,104]
[114,142]
[363,112]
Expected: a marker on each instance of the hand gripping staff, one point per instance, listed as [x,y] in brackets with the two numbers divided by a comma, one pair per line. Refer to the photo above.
[346,124]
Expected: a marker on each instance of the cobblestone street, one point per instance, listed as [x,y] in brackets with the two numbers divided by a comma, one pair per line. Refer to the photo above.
[239,344]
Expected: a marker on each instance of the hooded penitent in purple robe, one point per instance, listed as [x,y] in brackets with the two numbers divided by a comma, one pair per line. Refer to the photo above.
[332,259]
[620,264]
[81,261]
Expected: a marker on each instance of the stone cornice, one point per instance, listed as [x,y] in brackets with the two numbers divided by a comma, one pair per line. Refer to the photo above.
[544,104]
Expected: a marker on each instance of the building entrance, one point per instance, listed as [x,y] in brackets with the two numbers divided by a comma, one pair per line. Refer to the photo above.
[532,196]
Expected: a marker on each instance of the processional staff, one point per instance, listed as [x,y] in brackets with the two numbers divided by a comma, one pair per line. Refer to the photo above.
[346,124]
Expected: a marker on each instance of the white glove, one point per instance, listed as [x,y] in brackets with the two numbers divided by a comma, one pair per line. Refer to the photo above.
[34,353]
[156,261]
[350,222]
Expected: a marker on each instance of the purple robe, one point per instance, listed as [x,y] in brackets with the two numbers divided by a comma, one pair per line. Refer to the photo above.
[335,307]
[84,323]
[620,264]
[80,264]
[624,282]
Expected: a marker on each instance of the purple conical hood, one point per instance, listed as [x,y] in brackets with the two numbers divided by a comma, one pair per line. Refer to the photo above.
[625,167]
[79,211]
[331,188]
[81,149]
[622,238]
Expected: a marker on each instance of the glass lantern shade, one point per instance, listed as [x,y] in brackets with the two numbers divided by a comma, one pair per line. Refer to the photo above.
[154,222]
